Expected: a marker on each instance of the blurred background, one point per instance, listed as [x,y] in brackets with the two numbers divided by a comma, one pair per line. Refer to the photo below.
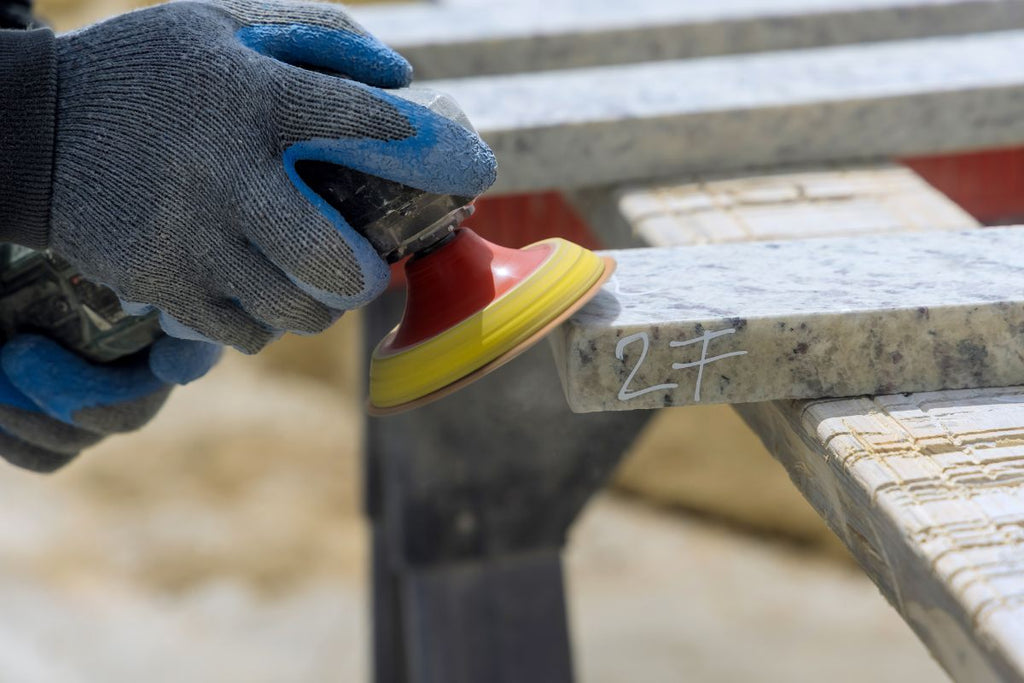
[226,542]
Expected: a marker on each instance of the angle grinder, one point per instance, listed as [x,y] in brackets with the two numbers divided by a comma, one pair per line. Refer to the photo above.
[471,305]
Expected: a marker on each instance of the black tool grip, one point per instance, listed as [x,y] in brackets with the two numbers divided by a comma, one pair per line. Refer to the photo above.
[41,293]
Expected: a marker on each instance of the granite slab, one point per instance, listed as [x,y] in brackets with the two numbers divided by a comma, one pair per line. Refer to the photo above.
[512,36]
[927,492]
[588,127]
[737,323]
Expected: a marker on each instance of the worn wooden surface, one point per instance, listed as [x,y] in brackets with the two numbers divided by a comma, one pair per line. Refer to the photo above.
[927,490]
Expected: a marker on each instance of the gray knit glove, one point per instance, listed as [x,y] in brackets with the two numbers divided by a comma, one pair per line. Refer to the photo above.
[178,129]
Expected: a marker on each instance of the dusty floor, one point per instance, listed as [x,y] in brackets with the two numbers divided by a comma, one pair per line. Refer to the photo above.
[661,598]
[225,543]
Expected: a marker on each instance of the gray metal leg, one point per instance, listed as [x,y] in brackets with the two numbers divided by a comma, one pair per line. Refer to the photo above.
[471,499]
[500,620]
[388,640]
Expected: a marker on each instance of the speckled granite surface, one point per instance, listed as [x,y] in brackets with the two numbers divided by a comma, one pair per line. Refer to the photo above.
[510,36]
[602,125]
[811,318]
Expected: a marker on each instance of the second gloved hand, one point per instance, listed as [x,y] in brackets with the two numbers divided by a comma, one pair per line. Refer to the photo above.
[174,184]
[54,403]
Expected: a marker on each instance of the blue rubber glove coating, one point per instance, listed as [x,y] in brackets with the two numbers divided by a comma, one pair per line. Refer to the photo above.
[53,403]
[175,182]
[358,56]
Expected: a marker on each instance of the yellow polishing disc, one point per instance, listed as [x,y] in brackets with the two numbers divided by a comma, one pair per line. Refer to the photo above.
[568,277]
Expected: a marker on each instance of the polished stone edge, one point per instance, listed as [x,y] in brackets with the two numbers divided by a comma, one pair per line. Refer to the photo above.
[520,36]
[861,103]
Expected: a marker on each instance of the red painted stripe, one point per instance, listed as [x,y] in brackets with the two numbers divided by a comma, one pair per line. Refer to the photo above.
[989,185]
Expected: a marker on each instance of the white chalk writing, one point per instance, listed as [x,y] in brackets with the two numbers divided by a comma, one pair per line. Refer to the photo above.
[625,393]
[704,339]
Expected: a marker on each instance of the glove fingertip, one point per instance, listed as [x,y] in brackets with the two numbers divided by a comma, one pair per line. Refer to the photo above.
[38,460]
[375,277]
[32,458]
[174,328]
[394,70]
[180,361]
[374,272]
[370,61]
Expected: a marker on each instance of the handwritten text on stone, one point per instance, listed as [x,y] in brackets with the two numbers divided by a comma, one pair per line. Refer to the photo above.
[625,393]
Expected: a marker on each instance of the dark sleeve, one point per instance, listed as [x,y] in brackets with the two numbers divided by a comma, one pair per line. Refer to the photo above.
[28,102]
[16,14]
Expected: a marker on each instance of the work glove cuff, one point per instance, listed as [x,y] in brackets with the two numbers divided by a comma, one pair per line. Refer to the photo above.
[28,106]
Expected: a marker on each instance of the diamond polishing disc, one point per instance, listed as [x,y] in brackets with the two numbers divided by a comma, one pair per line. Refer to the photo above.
[471,307]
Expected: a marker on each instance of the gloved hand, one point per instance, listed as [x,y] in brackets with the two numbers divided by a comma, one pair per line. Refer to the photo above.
[54,403]
[174,183]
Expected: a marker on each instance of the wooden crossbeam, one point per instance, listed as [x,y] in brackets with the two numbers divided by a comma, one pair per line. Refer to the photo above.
[515,36]
[592,126]
[737,323]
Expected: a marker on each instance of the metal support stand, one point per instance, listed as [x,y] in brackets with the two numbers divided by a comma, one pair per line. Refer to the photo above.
[470,500]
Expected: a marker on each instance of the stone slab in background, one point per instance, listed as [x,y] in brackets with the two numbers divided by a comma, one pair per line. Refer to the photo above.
[593,126]
[925,490]
[782,205]
[454,40]
[802,319]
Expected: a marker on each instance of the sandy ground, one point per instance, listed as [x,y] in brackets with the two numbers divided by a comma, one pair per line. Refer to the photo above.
[662,598]
[225,543]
